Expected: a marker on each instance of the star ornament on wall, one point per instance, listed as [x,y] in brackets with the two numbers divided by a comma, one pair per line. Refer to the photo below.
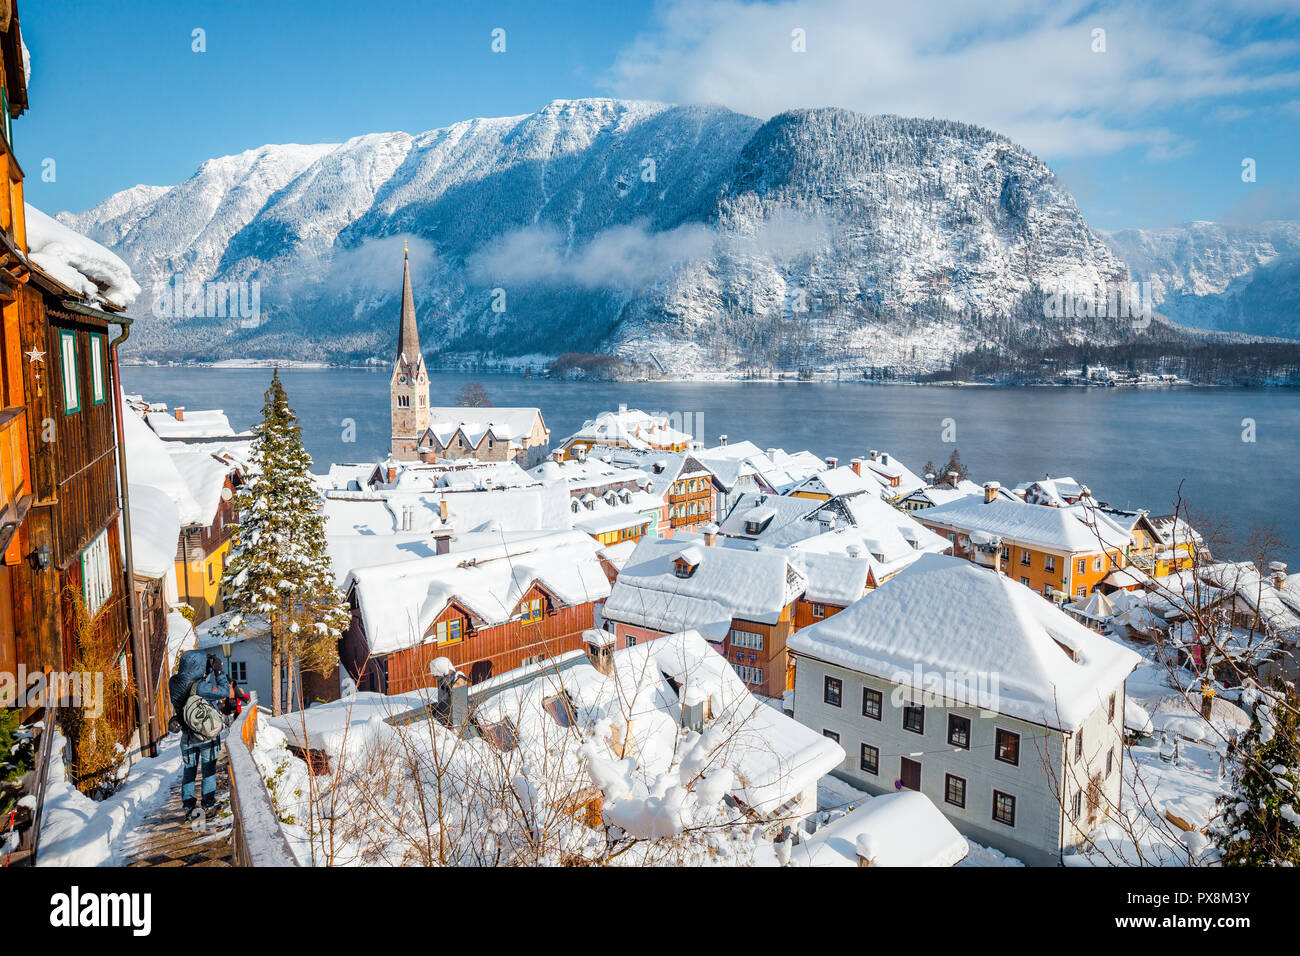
[35,355]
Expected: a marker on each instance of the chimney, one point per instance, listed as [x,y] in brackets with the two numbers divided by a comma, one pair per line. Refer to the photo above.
[392,473]
[953,478]
[179,412]
[884,458]
[695,706]
[442,542]
[771,453]
[710,532]
[1278,569]
[991,489]
[856,465]
[867,849]
[832,463]
[557,456]
[873,454]
[599,646]
[442,508]
[722,440]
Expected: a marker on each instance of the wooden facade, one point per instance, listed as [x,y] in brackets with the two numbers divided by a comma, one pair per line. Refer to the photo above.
[481,651]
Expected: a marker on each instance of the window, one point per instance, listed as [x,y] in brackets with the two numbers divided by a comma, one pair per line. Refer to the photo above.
[750,675]
[683,570]
[1007,747]
[749,640]
[532,610]
[959,731]
[1078,744]
[631,641]
[872,703]
[832,690]
[819,610]
[1110,713]
[1026,557]
[1083,565]
[1047,590]
[1004,808]
[1076,805]
[98,391]
[449,632]
[96,574]
[71,386]
[1025,581]
[1006,552]
[831,735]
[239,672]
[560,707]
[954,790]
[869,761]
[914,718]
[1081,591]
[1110,760]
[1096,563]
[1049,562]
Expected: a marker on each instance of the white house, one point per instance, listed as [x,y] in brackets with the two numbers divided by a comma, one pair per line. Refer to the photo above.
[958,682]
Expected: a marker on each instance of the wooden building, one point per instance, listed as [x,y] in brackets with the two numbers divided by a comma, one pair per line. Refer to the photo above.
[488,610]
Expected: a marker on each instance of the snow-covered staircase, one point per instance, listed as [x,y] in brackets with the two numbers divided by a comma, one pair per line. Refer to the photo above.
[164,838]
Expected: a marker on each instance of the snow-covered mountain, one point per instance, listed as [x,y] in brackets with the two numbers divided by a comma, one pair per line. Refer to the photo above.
[700,235]
[1232,278]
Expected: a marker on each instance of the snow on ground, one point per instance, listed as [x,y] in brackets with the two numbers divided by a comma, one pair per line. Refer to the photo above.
[1178,770]
[79,831]
[835,798]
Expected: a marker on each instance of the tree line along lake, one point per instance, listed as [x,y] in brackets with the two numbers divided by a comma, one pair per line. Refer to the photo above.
[1235,451]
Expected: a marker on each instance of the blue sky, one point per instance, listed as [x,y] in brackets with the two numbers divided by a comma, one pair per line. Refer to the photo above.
[1149,130]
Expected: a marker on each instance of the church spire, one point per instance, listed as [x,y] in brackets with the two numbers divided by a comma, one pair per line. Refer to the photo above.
[408,336]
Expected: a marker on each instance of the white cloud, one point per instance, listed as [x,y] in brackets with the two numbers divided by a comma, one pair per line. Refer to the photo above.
[1024,68]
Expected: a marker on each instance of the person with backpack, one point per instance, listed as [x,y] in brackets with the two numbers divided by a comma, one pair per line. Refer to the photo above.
[196,689]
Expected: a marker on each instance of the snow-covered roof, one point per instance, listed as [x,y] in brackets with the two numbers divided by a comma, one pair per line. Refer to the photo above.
[837,481]
[726,584]
[960,622]
[894,829]
[197,423]
[149,463]
[155,529]
[1065,529]
[205,475]
[399,602]
[535,508]
[81,264]
[632,427]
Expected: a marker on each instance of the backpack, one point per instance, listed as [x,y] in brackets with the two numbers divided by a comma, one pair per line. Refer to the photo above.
[199,717]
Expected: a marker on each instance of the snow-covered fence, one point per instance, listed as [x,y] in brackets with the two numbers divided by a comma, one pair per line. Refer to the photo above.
[257,839]
[29,840]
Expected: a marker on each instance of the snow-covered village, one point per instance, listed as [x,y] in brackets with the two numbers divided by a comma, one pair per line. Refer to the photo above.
[645,639]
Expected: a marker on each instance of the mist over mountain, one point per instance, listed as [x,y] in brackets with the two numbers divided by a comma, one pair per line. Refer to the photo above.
[691,237]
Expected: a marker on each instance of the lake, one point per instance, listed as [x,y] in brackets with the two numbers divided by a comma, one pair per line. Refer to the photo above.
[1132,447]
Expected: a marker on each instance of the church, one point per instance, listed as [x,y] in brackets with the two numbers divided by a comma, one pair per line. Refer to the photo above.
[421,432]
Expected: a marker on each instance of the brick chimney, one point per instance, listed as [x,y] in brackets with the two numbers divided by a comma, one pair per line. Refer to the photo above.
[991,489]
[179,412]
[442,541]
[392,473]
[856,465]
[710,532]
[442,508]
[1278,574]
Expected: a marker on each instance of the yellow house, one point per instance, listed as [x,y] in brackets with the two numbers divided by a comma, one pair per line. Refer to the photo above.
[1164,544]
[204,546]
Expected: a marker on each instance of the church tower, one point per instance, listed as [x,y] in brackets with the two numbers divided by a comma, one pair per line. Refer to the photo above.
[409,387]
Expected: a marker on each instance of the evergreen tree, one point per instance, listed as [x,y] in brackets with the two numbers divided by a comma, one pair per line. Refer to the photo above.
[954,464]
[1259,820]
[279,570]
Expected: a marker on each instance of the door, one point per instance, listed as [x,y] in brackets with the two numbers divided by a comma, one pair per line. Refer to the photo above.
[909,774]
[480,671]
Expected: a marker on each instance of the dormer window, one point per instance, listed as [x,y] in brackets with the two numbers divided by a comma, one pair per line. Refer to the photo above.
[753,527]
[683,569]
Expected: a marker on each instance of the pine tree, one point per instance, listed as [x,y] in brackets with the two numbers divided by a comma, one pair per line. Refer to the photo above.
[279,570]
[1259,819]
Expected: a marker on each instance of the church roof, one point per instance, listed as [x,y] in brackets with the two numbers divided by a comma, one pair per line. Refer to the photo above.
[408,336]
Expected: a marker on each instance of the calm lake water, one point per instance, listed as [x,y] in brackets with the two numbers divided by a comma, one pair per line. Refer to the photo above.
[1132,447]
